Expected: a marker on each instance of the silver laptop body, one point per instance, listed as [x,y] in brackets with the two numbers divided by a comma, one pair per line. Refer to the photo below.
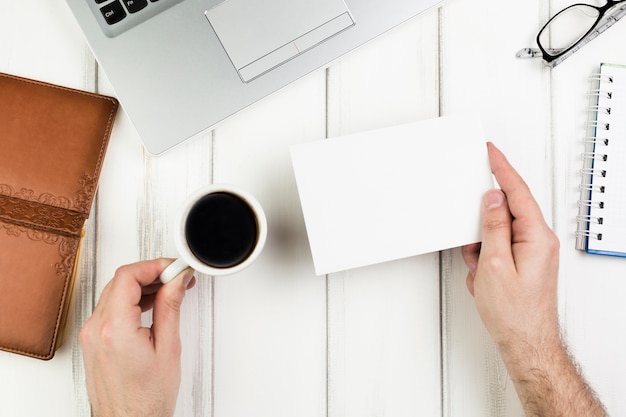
[181,66]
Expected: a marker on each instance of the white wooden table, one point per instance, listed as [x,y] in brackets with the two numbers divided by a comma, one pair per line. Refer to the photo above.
[398,339]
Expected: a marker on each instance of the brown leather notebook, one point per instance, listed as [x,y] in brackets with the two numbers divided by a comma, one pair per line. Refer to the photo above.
[52,144]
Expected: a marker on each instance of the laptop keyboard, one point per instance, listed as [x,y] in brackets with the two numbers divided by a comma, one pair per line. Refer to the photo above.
[117,16]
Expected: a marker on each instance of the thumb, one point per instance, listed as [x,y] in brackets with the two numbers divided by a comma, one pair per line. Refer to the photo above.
[496,227]
[166,314]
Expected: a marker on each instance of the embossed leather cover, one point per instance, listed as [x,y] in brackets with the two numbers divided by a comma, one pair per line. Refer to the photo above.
[52,144]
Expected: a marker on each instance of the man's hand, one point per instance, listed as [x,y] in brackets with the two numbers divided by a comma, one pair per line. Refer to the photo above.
[133,370]
[513,277]
[513,273]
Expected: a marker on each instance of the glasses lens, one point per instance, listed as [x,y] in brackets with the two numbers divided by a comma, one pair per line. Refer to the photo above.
[567,27]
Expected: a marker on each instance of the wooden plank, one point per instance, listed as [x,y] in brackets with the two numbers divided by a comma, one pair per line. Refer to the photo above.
[139,199]
[591,286]
[480,72]
[168,180]
[383,320]
[84,303]
[270,334]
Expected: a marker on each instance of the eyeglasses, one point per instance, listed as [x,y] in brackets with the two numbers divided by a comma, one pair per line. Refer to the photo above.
[572,28]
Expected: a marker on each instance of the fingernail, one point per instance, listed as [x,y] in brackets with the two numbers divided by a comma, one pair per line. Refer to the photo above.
[187,277]
[494,199]
[472,268]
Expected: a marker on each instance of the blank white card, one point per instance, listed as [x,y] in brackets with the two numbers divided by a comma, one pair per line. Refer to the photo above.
[392,193]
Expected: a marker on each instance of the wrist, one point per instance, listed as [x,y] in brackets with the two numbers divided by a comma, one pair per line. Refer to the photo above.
[528,337]
[524,355]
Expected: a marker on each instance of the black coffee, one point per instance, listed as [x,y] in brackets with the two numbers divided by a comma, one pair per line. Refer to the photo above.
[221,230]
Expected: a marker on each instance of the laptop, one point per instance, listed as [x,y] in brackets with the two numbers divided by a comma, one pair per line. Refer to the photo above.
[179,67]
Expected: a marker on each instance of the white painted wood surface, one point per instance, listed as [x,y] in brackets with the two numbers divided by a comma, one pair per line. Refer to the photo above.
[398,339]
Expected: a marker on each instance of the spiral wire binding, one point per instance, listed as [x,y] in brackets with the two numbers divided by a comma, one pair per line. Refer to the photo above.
[591,203]
[601,78]
[596,143]
[588,234]
[592,187]
[590,219]
[598,109]
[595,155]
[598,93]
[599,125]
[593,171]
[594,140]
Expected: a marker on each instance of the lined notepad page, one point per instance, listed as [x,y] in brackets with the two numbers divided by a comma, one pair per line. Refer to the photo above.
[606,179]
[392,193]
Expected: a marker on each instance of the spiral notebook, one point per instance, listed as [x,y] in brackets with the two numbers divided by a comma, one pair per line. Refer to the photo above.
[602,206]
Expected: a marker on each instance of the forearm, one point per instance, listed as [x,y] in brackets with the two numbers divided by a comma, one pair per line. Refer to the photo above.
[513,276]
[548,381]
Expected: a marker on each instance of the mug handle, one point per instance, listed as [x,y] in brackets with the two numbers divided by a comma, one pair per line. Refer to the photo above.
[172,270]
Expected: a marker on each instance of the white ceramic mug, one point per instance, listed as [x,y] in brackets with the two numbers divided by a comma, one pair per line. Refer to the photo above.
[220,230]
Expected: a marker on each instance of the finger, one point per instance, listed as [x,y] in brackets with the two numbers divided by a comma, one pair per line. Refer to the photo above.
[130,281]
[521,203]
[496,228]
[166,316]
[151,289]
[149,293]
[470,256]
[192,283]
[147,302]
[469,282]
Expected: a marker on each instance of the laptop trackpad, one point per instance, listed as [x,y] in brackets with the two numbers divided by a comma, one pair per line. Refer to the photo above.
[260,35]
